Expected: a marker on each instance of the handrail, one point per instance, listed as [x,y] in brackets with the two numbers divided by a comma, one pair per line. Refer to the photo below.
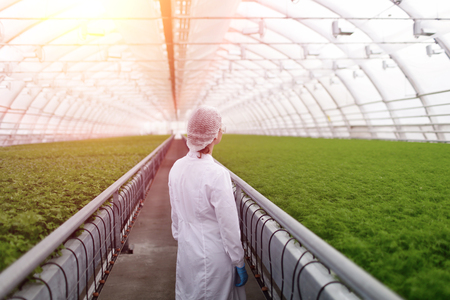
[19,270]
[362,283]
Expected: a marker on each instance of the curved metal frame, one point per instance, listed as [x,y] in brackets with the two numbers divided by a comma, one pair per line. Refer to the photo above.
[240,111]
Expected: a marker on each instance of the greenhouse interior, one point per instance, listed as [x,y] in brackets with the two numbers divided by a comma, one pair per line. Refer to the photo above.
[336,129]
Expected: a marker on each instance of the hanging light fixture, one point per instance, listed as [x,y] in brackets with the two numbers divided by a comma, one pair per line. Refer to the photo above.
[371,50]
[338,66]
[85,30]
[37,53]
[334,80]
[420,29]
[5,85]
[434,50]
[6,69]
[358,74]
[388,64]
[340,28]
[261,29]
[309,51]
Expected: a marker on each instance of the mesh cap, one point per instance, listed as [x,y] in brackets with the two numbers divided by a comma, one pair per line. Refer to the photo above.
[203,127]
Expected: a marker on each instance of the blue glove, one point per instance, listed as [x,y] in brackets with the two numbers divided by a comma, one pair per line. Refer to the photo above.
[241,276]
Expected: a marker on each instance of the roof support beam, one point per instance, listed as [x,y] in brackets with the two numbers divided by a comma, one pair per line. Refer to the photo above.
[166,13]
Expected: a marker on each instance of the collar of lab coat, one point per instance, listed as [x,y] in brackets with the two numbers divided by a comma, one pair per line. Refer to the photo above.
[195,154]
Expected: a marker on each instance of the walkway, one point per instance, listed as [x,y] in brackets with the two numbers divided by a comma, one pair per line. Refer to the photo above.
[149,273]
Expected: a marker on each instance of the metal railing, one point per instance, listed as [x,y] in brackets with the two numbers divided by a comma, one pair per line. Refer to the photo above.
[89,252]
[291,262]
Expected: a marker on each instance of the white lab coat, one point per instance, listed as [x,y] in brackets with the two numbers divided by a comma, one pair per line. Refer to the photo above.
[205,224]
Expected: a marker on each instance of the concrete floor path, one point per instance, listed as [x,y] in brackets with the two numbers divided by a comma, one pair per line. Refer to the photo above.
[149,273]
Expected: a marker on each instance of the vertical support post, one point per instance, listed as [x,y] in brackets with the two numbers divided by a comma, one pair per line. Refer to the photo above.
[151,174]
[117,223]
[237,196]
[237,199]
[143,186]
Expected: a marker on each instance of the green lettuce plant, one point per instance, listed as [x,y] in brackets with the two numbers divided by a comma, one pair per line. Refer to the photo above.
[43,185]
[385,205]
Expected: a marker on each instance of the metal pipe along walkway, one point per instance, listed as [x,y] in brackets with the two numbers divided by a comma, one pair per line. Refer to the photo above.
[149,273]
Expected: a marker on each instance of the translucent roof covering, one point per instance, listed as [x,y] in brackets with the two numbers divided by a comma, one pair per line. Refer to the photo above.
[74,69]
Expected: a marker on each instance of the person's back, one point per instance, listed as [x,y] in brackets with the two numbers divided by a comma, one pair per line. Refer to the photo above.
[195,177]
[205,223]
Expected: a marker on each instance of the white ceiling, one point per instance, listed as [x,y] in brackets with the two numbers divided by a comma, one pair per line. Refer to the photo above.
[73,69]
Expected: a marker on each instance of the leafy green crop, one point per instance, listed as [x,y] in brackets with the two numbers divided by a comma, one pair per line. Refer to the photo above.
[43,185]
[385,205]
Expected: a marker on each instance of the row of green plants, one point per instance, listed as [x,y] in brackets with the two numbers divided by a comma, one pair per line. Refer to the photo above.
[43,185]
[385,205]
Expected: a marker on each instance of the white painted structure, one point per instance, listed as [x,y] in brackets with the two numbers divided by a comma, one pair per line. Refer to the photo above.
[75,69]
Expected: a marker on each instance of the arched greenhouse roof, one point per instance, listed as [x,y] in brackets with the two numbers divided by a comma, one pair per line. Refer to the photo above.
[318,68]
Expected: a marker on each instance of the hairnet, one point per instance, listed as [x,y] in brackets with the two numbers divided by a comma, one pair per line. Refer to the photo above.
[203,127]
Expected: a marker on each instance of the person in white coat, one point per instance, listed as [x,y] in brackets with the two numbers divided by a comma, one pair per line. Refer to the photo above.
[210,258]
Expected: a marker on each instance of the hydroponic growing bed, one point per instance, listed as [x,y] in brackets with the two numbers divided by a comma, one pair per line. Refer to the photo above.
[43,185]
[385,205]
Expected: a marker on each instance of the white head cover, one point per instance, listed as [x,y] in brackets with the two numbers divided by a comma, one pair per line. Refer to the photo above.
[203,127]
